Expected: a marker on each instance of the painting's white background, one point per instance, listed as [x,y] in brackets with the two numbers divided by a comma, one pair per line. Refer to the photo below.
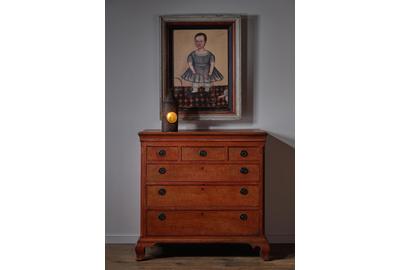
[217,44]
[132,97]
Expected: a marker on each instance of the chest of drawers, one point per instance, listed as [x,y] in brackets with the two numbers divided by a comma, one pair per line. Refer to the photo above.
[202,187]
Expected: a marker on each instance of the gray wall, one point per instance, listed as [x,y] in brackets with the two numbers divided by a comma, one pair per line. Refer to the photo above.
[132,101]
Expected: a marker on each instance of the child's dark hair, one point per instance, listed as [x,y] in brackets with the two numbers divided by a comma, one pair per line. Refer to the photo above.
[201,34]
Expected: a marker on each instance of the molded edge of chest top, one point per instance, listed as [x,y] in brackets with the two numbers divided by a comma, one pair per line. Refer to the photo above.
[206,135]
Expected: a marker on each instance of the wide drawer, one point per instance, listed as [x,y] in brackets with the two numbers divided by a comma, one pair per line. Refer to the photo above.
[245,153]
[162,153]
[202,196]
[202,172]
[202,222]
[203,153]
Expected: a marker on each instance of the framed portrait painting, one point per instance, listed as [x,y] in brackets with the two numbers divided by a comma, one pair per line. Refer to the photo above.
[200,63]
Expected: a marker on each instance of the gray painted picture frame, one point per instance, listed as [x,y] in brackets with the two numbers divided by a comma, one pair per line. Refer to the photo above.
[201,63]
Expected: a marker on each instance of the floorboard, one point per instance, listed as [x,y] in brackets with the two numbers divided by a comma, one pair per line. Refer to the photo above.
[199,257]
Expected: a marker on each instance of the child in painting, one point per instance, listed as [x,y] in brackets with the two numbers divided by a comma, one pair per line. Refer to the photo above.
[202,71]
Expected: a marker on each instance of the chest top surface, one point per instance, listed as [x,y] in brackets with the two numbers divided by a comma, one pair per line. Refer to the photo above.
[206,134]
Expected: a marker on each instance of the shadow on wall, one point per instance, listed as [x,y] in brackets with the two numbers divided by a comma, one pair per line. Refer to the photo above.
[279,191]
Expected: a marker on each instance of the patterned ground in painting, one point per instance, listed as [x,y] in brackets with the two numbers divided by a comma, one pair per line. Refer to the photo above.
[216,99]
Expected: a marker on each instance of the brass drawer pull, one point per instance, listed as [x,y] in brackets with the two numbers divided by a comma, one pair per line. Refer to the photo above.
[203,153]
[162,191]
[244,170]
[162,216]
[244,153]
[243,217]
[244,191]
[162,153]
[162,170]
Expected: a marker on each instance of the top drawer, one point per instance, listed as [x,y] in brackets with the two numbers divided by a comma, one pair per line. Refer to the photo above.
[245,153]
[203,153]
[162,153]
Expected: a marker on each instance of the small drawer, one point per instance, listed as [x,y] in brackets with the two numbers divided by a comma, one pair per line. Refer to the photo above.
[203,153]
[245,153]
[196,222]
[162,153]
[202,196]
[203,172]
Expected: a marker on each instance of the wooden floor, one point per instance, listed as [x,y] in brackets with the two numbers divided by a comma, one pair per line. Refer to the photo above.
[199,257]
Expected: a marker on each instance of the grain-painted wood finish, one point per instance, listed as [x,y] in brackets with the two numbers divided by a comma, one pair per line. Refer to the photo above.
[202,196]
[245,153]
[162,153]
[195,223]
[202,187]
[203,172]
[203,153]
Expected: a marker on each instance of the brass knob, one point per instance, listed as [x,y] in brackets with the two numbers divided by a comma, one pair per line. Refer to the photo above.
[162,191]
[162,153]
[244,170]
[203,153]
[162,170]
[244,153]
[244,191]
[243,217]
[162,216]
